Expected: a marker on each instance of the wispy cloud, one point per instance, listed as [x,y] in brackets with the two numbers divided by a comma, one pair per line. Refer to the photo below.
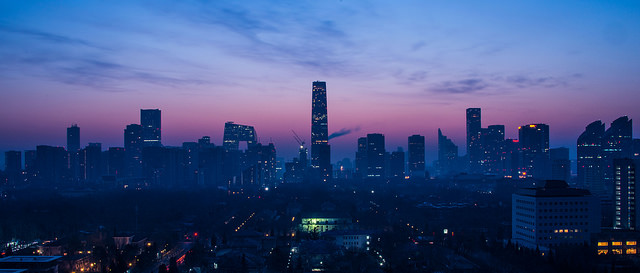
[46,36]
[524,81]
[464,86]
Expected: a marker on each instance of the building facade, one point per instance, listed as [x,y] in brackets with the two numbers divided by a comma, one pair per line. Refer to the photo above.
[554,215]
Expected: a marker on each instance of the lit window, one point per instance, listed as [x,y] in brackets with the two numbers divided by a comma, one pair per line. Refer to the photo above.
[616,243]
[602,252]
[631,251]
[631,243]
[603,243]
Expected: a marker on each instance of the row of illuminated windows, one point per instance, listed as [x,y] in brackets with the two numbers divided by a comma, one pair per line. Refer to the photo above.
[617,243]
[616,251]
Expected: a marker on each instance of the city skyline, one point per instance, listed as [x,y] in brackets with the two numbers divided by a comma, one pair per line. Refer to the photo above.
[414,72]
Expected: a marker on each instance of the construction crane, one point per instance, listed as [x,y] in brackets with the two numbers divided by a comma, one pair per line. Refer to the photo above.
[297,138]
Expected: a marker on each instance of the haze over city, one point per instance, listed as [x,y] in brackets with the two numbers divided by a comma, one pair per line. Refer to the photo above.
[393,68]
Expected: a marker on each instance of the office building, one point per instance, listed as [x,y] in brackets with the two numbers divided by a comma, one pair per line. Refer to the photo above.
[116,165]
[150,120]
[396,164]
[617,142]
[73,138]
[590,161]
[510,158]
[133,150]
[51,165]
[534,151]
[553,216]
[13,166]
[91,163]
[492,143]
[416,156]
[474,146]
[12,161]
[234,133]
[361,158]
[375,155]
[624,170]
[320,149]
[447,155]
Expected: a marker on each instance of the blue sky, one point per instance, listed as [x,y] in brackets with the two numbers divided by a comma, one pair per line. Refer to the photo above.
[392,67]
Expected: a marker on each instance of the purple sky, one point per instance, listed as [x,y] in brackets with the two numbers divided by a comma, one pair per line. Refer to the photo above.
[392,67]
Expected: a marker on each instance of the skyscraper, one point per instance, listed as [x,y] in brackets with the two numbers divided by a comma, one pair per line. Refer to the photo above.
[589,149]
[534,151]
[617,142]
[474,147]
[492,139]
[133,149]
[447,155]
[625,194]
[91,162]
[151,127]
[234,133]
[361,158]
[396,164]
[73,138]
[416,156]
[320,149]
[375,155]
[13,166]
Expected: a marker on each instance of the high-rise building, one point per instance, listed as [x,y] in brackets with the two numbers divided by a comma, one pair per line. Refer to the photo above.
[492,143]
[617,142]
[51,165]
[73,147]
[361,158]
[13,166]
[474,146]
[510,158]
[91,163]
[534,151]
[234,133]
[73,138]
[116,162]
[590,161]
[396,164]
[447,155]
[133,149]
[320,149]
[150,120]
[375,155]
[553,216]
[625,194]
[560,164]
[416,156]
[12,161]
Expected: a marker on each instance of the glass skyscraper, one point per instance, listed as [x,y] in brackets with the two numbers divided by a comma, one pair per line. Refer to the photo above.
[320,149]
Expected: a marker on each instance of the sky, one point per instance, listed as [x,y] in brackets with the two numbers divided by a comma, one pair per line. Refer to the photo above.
[393,67]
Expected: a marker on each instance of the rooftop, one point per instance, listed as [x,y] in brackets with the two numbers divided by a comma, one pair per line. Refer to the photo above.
[553,188]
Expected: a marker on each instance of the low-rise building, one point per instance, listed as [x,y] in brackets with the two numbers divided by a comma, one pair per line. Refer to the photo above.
[554,215]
